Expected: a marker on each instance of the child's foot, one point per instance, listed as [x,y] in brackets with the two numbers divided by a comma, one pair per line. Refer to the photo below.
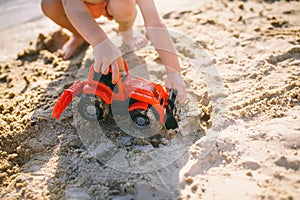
[71,46]
[133,40]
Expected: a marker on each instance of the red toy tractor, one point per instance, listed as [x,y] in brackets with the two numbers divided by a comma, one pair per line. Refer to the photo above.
[134,95]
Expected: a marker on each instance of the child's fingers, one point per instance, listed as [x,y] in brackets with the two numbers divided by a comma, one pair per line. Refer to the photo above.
[115,72]
[121,63]
[105,68]
[181,96]
[97,66]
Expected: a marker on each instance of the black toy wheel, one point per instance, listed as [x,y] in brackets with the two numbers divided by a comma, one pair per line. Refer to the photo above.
[92,108]
[144,118]
[140,118]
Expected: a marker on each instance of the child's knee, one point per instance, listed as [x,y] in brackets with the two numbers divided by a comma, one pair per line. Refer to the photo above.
[49,7]
[122,9]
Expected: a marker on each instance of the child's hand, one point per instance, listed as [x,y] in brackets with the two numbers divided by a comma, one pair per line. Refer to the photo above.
[174,80]
[107,55]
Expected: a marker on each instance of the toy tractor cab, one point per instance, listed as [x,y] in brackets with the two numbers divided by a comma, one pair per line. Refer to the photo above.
[134,95]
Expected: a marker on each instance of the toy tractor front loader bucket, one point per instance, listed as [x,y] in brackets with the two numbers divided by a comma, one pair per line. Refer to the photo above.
[65,98]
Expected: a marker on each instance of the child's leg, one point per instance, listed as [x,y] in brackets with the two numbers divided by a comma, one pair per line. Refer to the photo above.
[55,11]
[124,13]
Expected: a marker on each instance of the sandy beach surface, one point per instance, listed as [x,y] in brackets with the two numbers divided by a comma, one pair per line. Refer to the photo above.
[239,130]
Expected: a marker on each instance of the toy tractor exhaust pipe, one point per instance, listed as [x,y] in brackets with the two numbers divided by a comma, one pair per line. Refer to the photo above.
[170,121]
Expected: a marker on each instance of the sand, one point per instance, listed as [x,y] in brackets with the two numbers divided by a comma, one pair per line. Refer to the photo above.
[238,135]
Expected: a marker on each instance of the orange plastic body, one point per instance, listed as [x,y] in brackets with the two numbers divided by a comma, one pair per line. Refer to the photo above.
[143,92]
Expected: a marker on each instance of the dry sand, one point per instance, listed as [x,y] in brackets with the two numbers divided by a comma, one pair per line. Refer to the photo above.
[239,135]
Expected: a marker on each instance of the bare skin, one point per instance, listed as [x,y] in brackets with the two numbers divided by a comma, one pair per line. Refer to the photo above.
[74,13]
[133,41]
[54,10]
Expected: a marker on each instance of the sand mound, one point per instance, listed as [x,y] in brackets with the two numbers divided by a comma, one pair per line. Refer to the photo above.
[34,143]
[238,135]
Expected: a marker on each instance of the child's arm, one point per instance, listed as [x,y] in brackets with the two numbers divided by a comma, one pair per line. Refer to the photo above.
[159,36]
[105,53]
